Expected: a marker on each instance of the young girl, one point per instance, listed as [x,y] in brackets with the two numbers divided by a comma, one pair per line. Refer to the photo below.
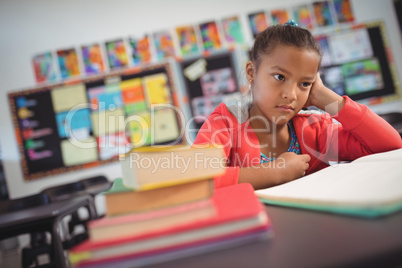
[272,141]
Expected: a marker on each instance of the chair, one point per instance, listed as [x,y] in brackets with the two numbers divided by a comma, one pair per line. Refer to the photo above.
[67,191]
[394,119]
[90,187]
[24,202]
[94,186]
[39,244]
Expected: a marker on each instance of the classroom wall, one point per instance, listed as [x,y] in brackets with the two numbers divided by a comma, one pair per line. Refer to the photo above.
[30,27]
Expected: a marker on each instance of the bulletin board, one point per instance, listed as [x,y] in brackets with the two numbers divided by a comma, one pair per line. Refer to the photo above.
[358,63]
[209,81]
[398,11]
[89,122]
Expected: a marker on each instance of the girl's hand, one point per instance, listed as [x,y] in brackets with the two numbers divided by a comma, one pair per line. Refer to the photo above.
[292,166]
[315,90]
[288,166]
[324,98]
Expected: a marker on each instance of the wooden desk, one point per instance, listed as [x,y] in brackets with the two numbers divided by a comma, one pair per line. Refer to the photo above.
[42,218]
[311,239]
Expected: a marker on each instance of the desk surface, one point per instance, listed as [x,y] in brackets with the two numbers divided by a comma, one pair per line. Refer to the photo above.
[311,239]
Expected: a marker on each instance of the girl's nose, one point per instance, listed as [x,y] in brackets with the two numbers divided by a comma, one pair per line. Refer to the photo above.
[289,93]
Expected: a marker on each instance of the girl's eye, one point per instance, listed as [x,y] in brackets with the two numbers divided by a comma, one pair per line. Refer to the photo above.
[305,84]
[279,77]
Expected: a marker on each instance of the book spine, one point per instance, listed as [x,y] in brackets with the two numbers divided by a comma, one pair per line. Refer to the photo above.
[152,214]
[129,173]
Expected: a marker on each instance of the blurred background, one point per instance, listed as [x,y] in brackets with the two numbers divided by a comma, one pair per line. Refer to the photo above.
[47,31]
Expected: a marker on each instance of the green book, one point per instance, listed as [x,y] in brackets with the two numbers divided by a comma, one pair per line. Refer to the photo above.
[118,187]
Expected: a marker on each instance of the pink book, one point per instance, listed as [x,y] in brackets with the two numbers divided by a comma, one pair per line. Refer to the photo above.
[238,212]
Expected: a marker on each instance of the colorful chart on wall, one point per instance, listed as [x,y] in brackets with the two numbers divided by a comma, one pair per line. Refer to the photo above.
[258,22]
[44,68]
[90,122]
[210,36]
[323,14]
[303,16]
[358,63]
[68,63]
[343,10]
[140,50]
[116,54]
[164,45]
[232,30]
[210,81]
[279,16]
[93,59]
[188,41]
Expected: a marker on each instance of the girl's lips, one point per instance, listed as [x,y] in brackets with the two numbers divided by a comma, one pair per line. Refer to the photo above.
[286,108]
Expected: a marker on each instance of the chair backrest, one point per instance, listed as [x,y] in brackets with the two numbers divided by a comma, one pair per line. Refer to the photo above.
[64,191]
[96,184]
[98,180]
[392,118]
[24,202]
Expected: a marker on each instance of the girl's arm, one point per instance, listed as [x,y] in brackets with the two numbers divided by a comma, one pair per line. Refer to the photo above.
[362,131]
[218,130]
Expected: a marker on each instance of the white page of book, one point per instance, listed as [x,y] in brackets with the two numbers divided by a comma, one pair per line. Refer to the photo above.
[370,181]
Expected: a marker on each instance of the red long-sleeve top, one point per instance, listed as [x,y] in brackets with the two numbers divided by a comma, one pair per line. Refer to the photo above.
[355,132]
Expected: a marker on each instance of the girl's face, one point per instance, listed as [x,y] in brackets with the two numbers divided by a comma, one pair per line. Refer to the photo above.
[282,83]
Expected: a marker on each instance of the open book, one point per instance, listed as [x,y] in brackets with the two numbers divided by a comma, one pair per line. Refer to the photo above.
[369,186]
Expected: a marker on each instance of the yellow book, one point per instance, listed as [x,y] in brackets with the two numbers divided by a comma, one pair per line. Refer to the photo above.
[121,200]
[153,167]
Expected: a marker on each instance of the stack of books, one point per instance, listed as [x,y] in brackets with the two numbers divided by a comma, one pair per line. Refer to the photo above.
[165,207]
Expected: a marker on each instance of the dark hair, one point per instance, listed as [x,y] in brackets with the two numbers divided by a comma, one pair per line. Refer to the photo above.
[273,36]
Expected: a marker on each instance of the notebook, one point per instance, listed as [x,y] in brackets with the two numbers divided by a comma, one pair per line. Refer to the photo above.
[370,186]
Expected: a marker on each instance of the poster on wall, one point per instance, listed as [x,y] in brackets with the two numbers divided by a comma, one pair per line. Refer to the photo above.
[90,122]
[210,36]
[44,69]
[163,45]
[350,46]
[326,53]
[333,78]
[258,22]
[140,50]
[188,40]
[116,54]
[232,30]
[303,16]
[209,81]
[323,14]
[279,16]
[360,66]
[133,96]
[362,76]
[93,59]
[68,63]
[343,10]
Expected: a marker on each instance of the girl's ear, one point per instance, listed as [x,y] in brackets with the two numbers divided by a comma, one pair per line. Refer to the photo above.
[250,71]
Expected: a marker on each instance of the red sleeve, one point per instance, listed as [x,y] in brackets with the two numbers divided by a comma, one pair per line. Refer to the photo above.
[230,177]
[364,132]
[217,130]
